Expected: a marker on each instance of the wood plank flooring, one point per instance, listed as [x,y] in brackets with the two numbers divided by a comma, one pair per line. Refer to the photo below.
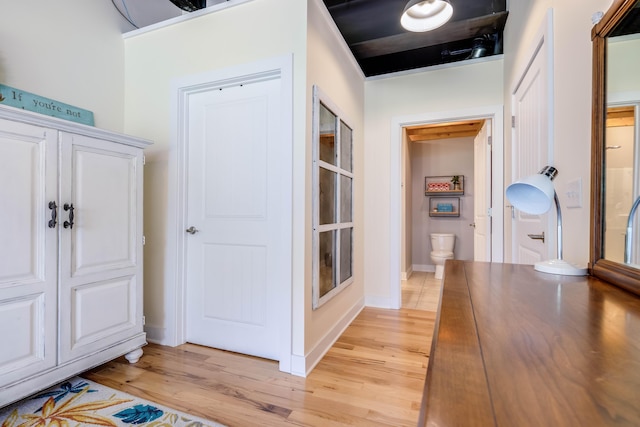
[421,291]
[372,376]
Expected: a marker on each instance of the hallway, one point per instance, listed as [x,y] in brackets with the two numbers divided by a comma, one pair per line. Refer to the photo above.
[421,291]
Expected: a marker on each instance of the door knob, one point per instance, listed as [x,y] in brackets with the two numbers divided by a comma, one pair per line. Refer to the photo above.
[192,230]
[537,236]
[473,224]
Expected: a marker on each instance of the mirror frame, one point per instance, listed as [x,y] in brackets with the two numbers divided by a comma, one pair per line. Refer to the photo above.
[618,274]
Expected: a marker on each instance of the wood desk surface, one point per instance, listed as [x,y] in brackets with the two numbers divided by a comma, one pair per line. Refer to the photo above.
[516,347]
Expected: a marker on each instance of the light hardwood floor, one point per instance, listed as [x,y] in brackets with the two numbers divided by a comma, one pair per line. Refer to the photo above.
[372,376]
[421,291]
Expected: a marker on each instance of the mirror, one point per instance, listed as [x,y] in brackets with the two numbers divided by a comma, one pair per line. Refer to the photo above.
[616,147]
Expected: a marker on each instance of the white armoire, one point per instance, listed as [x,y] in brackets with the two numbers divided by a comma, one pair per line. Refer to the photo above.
[70,250]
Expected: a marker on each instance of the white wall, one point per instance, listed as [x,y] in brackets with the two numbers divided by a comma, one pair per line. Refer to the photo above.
[331,67]
[70,51]
[623,66]
[210,41]
[572,104]
[155,57]
[445,89]
[444,157]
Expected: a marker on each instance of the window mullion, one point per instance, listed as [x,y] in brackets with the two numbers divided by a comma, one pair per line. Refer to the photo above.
[338,203]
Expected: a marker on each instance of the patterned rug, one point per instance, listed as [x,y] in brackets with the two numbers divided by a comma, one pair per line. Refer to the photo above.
[80,402]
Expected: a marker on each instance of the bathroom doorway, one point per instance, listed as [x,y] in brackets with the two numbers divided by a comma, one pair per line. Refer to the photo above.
[452,141]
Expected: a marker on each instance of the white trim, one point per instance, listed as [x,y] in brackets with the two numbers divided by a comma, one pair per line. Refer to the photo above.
[320,98]
[155,334]
[437,67]
[337,35]
[424,268]
[406,275]
[30,117]
[278,67]
[185,17]
[623,98]
[493,112]
[380,302]
[302,366]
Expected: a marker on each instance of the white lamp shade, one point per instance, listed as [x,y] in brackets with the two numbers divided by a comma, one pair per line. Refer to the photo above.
[425,15]
[533,194]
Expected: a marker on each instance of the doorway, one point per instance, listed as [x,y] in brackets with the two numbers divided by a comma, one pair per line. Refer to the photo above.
[447,189]
[273,81]
[233,211]
[492,114]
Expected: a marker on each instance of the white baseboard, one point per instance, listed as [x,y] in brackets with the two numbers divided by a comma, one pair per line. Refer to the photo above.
[406,275]
[425,268]
[302,366]
[156,334]
[379,302]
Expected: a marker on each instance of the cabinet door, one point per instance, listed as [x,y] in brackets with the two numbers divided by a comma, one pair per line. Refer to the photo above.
[28,250]
[100,253]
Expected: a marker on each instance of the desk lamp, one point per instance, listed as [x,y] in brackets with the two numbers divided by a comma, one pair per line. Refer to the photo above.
[533,195]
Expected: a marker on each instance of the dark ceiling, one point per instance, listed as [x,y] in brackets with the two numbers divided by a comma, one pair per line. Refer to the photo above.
[372,30]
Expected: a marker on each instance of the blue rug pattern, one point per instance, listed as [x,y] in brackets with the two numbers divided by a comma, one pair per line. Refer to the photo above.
[80,402]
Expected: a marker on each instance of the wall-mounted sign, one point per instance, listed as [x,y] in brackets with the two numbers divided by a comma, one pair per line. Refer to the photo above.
[39,104]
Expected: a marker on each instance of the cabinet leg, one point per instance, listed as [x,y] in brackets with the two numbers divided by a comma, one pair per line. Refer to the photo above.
[134,356]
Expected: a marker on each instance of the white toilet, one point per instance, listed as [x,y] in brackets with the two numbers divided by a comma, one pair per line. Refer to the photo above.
[442,245]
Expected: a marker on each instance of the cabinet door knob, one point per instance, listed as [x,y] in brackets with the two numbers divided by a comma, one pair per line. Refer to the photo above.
[54,214]
[68,207]
[192,230]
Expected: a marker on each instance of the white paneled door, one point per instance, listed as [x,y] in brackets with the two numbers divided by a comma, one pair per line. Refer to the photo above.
[531,147]
[235,253]
[482,194]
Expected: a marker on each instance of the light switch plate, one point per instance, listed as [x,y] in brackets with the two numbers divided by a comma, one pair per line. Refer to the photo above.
[574,193]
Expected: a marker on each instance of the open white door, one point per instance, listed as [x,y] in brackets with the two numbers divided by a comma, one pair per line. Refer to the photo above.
[482,194]
[531,148]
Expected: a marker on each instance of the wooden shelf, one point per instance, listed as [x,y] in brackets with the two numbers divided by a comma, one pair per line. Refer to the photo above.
[444,213]
[443,185]
[444,193]
[444,206]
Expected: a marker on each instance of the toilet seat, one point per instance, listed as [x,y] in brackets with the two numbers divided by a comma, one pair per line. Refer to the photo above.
[441,254]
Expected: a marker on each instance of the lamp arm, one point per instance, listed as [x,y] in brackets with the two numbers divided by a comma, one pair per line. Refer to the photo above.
[559,214]
[628,237]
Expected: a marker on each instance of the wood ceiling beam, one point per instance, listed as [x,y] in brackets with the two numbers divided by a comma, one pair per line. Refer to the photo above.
[468,124]
[444,131]
[443,135]
[620,116]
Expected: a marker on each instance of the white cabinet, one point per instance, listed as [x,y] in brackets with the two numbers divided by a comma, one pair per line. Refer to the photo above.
[70,250]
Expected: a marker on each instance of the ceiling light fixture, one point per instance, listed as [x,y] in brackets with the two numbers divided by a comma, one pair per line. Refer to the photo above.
[190,5]
[425,15]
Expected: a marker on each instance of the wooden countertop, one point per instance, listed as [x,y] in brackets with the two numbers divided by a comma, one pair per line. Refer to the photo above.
[516,347]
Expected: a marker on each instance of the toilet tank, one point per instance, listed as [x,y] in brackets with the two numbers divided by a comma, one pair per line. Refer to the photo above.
[443,242]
